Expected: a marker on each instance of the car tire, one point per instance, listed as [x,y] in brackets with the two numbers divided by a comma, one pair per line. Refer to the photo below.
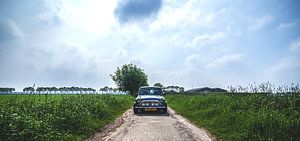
[164,110]
[135,111]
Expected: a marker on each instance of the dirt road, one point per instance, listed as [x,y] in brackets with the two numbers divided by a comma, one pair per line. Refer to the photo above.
[152,127]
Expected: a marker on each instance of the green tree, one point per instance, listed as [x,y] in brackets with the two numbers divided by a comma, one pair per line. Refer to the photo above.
[28,89]
[129,78]
[7,90]
[158,85]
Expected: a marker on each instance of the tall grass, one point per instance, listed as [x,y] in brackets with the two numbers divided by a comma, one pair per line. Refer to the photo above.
[60,117]
[242,116]
[266,87]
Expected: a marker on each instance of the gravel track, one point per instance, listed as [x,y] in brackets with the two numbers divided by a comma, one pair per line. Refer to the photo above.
[152,127]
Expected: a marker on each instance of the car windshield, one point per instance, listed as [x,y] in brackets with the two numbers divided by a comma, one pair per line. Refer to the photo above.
[150,91]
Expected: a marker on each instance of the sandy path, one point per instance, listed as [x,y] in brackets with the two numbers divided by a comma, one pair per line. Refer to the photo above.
[152,127]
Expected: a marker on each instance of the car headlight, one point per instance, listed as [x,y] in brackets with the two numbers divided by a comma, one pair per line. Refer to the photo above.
[137,102]
[143,104]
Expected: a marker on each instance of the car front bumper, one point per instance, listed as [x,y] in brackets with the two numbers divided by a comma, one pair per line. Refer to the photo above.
[160,107]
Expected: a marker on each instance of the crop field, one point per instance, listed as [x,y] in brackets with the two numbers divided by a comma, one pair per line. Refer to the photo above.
[58,117]
[33,97]
[242,116]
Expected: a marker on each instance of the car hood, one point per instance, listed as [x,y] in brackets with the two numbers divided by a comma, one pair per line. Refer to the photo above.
[150,97]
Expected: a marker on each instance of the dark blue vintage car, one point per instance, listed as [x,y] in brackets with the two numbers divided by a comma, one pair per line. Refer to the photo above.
[150,99]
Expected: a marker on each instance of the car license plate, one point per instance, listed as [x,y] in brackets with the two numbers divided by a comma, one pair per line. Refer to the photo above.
[150,109]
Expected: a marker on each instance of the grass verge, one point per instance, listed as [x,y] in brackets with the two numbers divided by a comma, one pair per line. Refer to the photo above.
[236,117]
[58,117]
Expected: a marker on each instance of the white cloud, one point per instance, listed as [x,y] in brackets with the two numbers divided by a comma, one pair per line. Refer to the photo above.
[225,60]
[205,39]
[122,53]
[10,30]
[52,14]
[169,77]
[137,61]
[286,25]
[286,70]
[260,22]
[286,63]
[182,16]
[192,60]
[62,55]
[295,45]
[17,32]
[167,17]
[92,16]
[208,20]
[98,16]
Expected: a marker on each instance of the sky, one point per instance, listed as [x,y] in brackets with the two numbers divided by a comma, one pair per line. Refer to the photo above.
[190,43]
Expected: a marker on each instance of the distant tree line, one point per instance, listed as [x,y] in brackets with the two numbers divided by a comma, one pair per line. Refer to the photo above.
[107,89]
[173,89]
[7,90]
[28,89]
[206,90]
[251,88]
[61,90]
[170,89]
[54,90]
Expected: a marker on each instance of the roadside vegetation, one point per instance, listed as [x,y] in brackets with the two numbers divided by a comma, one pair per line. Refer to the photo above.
[242,116]
[58,117]
[66,113]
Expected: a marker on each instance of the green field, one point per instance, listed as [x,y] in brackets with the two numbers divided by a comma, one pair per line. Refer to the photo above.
[237,117]
[33,97]
[58,117]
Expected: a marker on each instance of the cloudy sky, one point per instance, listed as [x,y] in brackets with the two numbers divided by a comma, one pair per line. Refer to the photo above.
[191,43]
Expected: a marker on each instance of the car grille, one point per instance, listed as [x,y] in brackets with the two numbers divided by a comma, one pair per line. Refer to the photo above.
[150,103]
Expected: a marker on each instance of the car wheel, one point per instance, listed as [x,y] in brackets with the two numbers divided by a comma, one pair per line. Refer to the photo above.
[164,110]
[135,111]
